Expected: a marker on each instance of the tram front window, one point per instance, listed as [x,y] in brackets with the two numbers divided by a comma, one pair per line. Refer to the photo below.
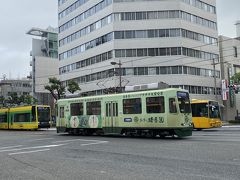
[184,102]
[43,114]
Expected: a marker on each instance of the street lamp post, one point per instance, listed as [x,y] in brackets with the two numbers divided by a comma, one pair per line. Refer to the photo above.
[119,74]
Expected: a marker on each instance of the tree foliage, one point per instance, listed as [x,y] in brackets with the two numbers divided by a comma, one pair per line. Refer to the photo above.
[236,78]
[14,100]
[55,88]
[73,86]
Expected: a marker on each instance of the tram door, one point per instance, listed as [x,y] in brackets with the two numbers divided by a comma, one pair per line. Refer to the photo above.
[111,122]
[61,122]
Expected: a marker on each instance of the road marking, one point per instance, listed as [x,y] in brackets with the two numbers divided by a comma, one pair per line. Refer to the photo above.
[40,139]
[72,140]
[35,147]
[10,147]
[94,143]
[27,152]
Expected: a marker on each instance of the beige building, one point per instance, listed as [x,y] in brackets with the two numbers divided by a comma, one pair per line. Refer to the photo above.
[44,62]
[20,86]
[150,41]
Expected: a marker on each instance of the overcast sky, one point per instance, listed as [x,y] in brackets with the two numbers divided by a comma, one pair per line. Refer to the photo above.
[18,16]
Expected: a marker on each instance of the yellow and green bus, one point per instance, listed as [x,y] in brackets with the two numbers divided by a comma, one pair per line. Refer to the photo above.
[165,112]
[25,117]
[206,114]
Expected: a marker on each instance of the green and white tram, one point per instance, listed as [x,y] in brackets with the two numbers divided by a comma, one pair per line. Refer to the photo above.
[165,112]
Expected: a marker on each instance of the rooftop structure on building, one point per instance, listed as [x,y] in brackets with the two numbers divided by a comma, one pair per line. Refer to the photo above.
[238,29]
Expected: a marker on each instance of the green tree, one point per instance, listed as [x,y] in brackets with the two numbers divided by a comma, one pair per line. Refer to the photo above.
[55,88]
[73,86]
[13,99]
[236,78]
[28,99]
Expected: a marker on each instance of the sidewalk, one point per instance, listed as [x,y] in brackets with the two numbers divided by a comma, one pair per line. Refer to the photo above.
[48,129]
[227,124]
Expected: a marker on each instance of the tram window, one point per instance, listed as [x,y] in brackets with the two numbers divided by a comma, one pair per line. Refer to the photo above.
[132,106]
[76,109]
[94,108]
[172,105]
[155,104]
[61,112]
[3,118]
[33,113]
[25,117]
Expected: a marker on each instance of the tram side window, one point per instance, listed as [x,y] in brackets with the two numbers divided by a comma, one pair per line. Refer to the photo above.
[132,106]
[61,112]
[94,108]
[172,105]
[76,109]
[3,118]
[24,117]
[155,104]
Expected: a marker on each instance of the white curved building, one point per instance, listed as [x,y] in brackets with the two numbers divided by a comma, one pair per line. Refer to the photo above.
[170,41]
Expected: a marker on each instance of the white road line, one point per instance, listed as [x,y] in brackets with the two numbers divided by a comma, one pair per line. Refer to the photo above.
[41,139]
[35,147]
[27,152]
[72,140]
[7,147]
[94,143]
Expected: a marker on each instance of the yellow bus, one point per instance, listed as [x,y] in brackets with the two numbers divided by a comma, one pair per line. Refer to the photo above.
[25,117]
[205,114]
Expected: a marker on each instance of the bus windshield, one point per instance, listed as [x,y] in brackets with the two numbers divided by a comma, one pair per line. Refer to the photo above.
[184,102]
[43,114]
[214,111]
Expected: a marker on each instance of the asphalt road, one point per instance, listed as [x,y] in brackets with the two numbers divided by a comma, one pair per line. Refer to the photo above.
[45,155]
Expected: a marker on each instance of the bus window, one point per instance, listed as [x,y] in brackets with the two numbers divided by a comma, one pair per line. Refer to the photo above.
[94,108]
[184,102]
[155,104]
[132,106]
[76,109]
[172,105]
[200,110]
[214,112]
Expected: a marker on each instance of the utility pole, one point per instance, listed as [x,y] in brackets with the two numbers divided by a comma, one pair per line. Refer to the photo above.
[119,74]
[215,80]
